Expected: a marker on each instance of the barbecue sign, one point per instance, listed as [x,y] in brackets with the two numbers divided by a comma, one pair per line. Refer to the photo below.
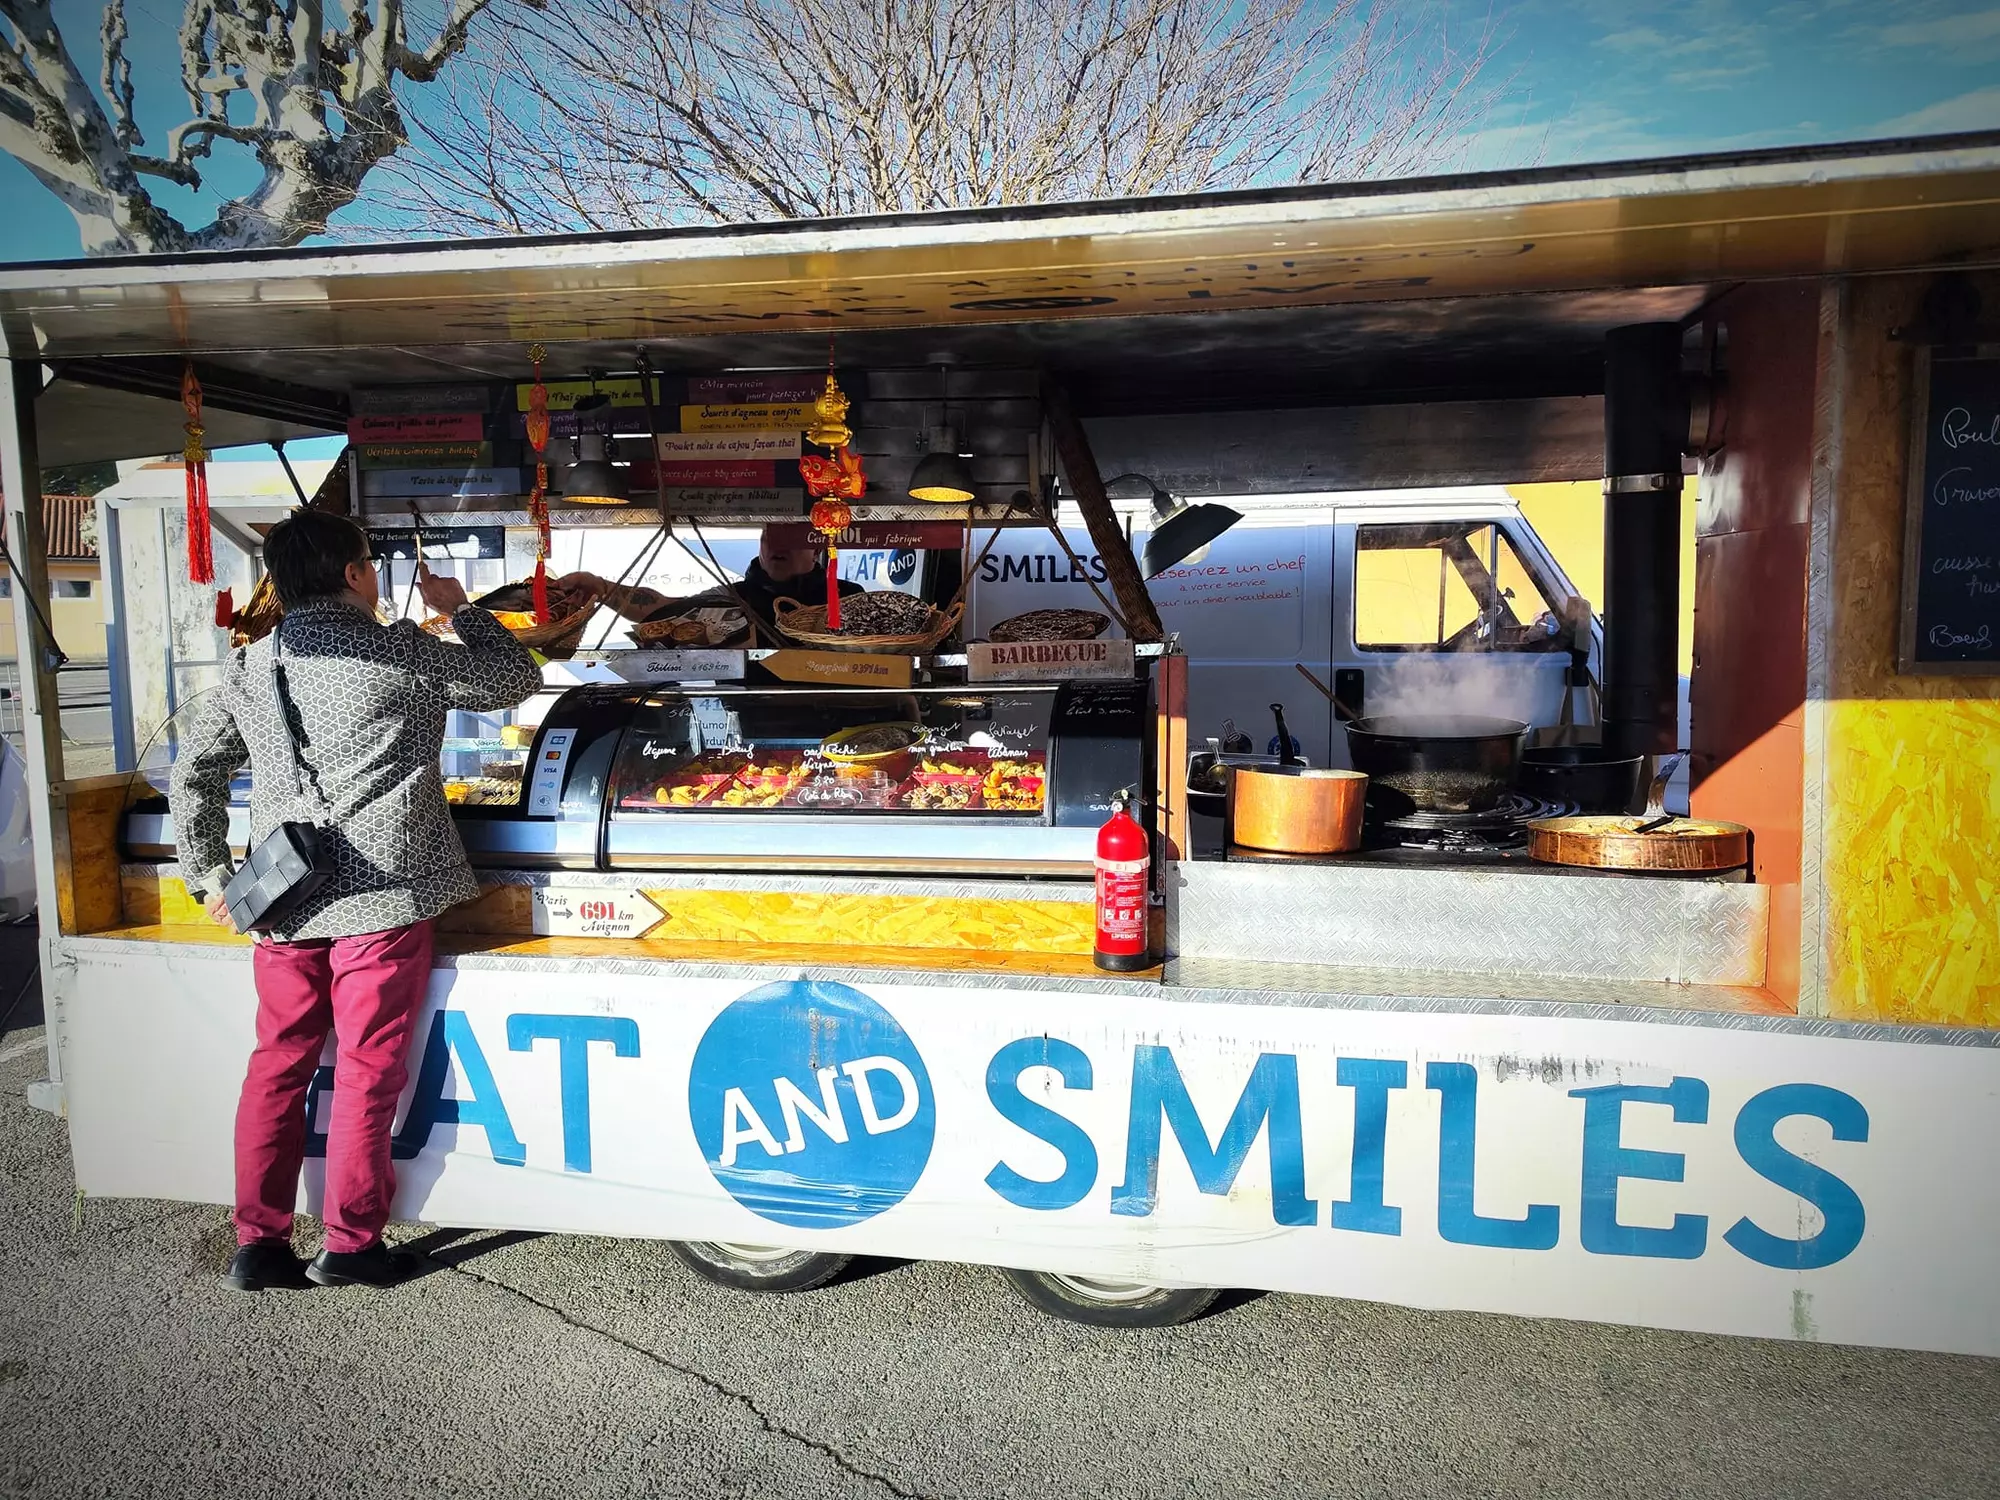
[1047,661]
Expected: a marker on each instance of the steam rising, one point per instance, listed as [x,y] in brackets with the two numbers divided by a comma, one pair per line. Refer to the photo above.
[1450,683]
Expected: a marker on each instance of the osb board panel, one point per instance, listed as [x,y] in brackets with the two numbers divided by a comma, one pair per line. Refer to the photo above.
[1912,763]
[1747,697]
[1054,965]
[871,921]
[88,898]
[822,920]
[734,917]
[965,961]
[153,899]
[1758,785]
[1765,476]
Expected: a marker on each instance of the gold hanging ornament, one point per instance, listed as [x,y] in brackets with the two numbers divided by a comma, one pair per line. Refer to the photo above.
[829,427]
[832,482]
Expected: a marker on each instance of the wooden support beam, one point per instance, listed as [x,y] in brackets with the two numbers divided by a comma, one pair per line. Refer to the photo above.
[1121,568]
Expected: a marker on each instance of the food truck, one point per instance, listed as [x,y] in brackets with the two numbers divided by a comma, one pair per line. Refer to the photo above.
[784,947]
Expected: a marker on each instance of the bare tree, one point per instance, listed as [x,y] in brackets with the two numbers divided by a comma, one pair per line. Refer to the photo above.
[606,114]
[313,99]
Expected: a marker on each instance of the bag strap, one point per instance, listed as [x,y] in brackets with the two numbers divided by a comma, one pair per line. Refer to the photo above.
[301,772]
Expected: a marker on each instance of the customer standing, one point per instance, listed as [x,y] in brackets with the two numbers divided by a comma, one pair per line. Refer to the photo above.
[367,706]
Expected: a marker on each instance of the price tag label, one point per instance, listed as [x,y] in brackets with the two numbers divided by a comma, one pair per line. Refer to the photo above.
[849,669]
[602,912]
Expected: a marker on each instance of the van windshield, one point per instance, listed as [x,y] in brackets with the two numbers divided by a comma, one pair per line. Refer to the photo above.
[1447,586]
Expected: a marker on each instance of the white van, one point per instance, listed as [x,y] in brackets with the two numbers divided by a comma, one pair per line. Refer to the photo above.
[1439,601]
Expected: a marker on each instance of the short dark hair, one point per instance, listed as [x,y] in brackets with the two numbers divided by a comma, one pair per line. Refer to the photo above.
[308,553]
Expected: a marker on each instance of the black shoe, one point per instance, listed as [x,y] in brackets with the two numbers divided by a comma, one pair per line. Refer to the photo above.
[377,1266]
[264,1263]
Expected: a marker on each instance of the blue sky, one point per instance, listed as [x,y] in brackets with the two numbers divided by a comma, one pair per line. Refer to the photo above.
[1582,82]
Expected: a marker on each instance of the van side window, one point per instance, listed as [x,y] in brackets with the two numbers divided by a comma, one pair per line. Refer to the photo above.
[1447,586]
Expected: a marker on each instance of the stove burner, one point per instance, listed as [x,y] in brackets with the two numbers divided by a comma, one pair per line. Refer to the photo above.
[1502,826]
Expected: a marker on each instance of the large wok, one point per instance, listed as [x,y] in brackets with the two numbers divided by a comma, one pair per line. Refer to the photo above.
[1438,763]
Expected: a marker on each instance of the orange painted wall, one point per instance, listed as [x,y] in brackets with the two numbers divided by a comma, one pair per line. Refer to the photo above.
[1748,689]
[1912,763]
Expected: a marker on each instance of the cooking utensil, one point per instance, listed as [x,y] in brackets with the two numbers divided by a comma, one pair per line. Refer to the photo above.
[1586,777]
[1296,809]
[1449,763]
[1655,840]
[1341,711]
[1285,755]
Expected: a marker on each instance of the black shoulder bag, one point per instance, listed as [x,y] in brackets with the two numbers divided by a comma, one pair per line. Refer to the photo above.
[289,865]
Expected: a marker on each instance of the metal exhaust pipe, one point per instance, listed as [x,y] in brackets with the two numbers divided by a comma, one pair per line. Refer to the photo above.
[1645,427]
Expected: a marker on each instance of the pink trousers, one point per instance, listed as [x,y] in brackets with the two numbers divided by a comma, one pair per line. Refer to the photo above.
[367,992]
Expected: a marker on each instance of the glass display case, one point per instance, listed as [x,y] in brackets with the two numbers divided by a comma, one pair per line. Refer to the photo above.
[1006,779]
[957,754]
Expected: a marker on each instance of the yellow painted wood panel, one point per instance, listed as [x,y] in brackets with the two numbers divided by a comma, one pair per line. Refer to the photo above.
[838,920]
[1912,769]
[821,920]
[1913,895]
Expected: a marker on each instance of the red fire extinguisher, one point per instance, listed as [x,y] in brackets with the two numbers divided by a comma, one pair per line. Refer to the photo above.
[1122,870]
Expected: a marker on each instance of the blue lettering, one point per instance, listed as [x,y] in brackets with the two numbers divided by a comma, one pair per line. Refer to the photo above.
[478,1103]
[573,1036]
[1271,1094]
[1605,1161]
[1757,1144]
[1371,1078]
[1003,1087]
[1458,1089]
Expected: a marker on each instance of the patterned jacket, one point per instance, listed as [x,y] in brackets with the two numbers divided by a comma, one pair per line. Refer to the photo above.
[370,702]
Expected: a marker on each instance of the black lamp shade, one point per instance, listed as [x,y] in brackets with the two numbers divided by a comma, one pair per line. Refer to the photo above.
[941,477]
[594,482]
[1183,533]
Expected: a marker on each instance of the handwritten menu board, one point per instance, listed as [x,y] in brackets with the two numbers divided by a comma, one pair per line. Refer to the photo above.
[1951,545]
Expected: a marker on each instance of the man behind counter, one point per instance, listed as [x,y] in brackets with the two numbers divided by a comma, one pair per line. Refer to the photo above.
[779,572]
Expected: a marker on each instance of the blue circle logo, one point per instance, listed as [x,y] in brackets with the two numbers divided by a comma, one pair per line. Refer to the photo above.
[902,566]
[811,1105]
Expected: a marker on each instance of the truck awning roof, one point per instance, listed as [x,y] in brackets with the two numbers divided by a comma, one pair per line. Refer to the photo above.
[1685,221]
[1450,288]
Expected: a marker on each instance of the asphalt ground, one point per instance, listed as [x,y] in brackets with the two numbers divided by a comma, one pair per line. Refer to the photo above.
[548,1365]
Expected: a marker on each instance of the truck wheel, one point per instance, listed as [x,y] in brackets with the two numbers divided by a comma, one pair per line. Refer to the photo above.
[759,1268]
[1106,1303]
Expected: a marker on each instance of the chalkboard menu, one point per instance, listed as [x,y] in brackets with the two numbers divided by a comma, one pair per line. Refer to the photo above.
[1951,543]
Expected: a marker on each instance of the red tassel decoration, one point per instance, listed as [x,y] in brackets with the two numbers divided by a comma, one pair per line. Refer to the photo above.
[829,516]
[538,502]
[200,543]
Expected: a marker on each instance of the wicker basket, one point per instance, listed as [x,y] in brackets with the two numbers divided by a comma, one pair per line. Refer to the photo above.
[558,639]
[806,624]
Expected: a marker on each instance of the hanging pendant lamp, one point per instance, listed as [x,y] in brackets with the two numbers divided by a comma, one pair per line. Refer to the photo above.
[592,480]
[942,475]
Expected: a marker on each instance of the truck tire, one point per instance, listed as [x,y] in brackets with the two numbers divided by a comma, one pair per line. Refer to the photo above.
[1103,1302]
[758,1268]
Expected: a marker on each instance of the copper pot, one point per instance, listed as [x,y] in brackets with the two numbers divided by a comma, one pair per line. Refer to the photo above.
[1296,809]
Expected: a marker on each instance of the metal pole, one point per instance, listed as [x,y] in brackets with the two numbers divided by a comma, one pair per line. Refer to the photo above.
[117,654]
[41,710]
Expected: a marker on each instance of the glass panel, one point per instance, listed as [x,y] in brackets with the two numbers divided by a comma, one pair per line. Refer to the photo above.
[939,751]
[484,760]
[1446,586]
